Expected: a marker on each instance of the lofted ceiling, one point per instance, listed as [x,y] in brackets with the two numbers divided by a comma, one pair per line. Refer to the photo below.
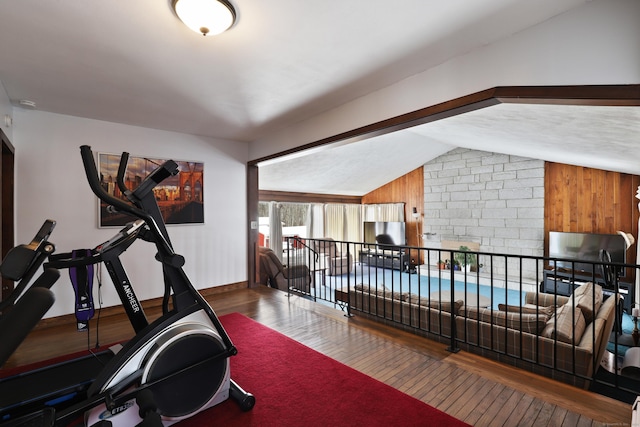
[284,61]
[601,137]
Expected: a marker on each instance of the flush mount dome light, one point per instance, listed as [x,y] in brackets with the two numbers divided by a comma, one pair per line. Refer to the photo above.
[207,17]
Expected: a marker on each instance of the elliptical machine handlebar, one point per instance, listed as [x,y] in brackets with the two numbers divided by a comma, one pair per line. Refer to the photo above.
[135,196]
[122,169]
[92,176]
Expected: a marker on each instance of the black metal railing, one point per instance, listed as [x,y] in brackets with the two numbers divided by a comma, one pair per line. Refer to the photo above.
[493,304]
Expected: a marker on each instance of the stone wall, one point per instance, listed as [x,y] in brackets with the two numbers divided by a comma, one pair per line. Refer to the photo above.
[493,199]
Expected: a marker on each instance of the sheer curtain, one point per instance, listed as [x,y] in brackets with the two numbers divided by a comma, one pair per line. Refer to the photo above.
[275,229]
[353,215]
[383,212]
[339,221]
[315,221]
[334,221]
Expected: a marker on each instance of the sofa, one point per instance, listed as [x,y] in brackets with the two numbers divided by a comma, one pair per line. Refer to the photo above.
[402,309]
[560,337]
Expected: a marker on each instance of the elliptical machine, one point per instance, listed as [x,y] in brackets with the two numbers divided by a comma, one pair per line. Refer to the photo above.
[177,365]
[20,265]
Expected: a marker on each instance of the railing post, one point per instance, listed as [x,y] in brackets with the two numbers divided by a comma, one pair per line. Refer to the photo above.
[452,277]
[348,314]
[289,279]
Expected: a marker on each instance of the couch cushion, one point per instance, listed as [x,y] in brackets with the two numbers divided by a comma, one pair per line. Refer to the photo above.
[382,291]
[528,309]
[588,298]
[435,304]
[545,300]
[567,325]
[530,323]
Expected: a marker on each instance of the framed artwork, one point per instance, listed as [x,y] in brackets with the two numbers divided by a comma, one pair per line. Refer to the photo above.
[180,197]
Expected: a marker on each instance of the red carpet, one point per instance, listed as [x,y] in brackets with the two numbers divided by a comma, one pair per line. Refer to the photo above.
[297,386]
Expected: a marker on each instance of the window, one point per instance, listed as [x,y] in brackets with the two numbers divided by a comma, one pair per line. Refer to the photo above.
[293,217]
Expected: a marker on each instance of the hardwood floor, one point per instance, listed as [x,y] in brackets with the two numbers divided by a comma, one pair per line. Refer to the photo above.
[471,388]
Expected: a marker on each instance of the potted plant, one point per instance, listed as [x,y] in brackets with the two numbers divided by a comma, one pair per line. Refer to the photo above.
[476,267]
[466,260]
[442,265]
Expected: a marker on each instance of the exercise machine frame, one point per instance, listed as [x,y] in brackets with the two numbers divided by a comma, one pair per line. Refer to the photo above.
[146,365]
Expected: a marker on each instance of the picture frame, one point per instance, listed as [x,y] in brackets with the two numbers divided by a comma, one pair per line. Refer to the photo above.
[180,197]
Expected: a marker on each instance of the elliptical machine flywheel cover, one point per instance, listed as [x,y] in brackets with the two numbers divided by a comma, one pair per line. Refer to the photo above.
[189,350]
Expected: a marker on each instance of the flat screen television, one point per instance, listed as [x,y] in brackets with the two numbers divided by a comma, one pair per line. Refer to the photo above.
[585,247]
[385,233]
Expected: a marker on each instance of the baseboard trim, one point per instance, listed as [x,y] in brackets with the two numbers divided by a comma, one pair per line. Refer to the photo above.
[70,319]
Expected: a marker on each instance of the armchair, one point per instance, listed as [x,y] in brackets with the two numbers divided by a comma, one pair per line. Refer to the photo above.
[330,257]
[280,276]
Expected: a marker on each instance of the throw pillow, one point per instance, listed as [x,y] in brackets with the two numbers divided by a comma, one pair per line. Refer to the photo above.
[528,309]
[567,325]
[588,298]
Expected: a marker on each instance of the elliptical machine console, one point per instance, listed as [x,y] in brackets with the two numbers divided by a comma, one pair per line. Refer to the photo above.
[175,366]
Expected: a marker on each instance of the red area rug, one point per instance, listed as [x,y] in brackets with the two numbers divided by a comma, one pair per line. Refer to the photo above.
[295,385]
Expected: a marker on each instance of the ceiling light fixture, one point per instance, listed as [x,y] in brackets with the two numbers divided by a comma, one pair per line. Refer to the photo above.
[207,17]
[26,103]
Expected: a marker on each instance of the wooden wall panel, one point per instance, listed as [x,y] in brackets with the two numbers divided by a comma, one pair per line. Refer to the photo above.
[408,189]
[587,200]
[253,266]
[584,200]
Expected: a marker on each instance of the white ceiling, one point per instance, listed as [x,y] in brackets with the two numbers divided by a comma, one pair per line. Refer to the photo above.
[284,61]
[602,137]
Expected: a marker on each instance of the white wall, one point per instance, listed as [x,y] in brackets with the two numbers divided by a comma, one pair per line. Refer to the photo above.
[50,183]
[596,43]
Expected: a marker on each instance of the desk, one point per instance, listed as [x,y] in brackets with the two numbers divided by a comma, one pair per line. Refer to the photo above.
[470,299]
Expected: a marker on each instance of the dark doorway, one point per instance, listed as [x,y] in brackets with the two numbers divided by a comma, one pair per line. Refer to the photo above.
[6,201]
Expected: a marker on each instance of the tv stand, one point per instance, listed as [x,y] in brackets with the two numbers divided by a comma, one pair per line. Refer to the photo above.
[564,282]
[383,258]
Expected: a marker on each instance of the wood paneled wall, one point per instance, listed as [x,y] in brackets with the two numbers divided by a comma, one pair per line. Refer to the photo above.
[584,200]
[408,189]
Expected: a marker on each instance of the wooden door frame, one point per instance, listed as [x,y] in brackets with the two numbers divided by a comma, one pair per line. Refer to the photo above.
[7,166]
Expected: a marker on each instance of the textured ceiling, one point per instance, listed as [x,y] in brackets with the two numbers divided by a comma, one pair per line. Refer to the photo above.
[599,137]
